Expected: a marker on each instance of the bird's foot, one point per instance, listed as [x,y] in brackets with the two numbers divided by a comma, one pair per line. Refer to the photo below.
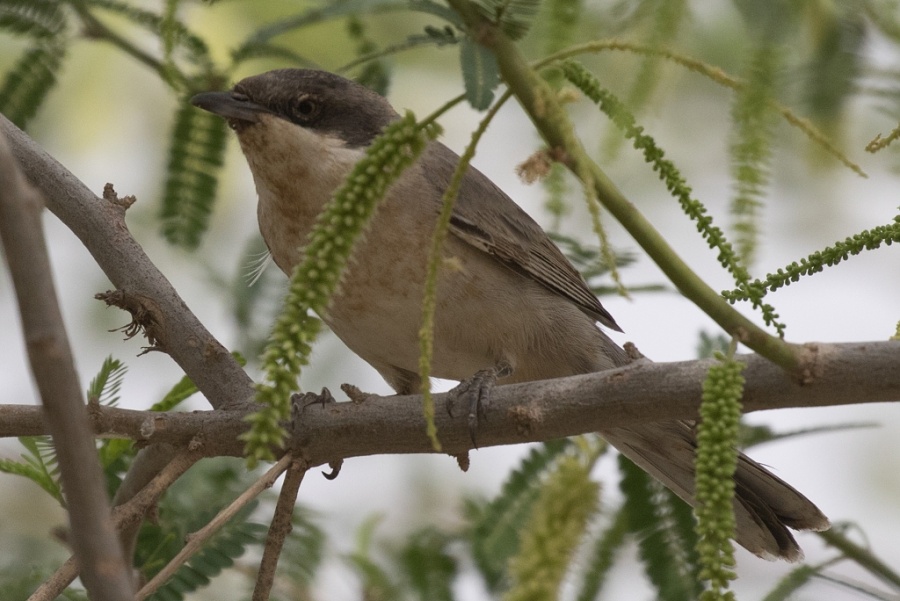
[299,403]
[476,390]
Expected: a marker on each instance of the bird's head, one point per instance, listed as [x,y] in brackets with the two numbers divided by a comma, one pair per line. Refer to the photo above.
[322,103]
[301,131]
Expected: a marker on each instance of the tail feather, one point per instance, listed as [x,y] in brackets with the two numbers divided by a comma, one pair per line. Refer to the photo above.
[764,506]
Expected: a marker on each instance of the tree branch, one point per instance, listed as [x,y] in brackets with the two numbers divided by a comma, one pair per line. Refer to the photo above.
[280,527]
[100,225]
[105,572]
[841,374]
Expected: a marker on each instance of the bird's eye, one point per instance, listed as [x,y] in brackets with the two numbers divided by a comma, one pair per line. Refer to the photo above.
[306,108]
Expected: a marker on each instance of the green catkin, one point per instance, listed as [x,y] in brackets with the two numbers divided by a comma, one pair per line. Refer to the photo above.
[716,462]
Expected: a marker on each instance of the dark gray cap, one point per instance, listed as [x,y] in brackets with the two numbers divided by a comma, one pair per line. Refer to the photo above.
[316,100]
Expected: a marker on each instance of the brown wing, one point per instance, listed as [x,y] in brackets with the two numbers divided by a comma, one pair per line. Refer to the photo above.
[489,220]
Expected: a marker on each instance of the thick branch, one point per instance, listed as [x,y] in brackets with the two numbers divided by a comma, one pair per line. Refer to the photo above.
[100,225]
[842,374]
[104,570]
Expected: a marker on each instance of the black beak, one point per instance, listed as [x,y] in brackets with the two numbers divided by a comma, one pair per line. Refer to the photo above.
[232,106]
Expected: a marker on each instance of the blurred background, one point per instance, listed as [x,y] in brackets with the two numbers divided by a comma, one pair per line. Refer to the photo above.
[108,119]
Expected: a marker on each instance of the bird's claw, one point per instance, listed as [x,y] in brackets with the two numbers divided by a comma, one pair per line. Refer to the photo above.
[335,469]
[299,403]
[478,390]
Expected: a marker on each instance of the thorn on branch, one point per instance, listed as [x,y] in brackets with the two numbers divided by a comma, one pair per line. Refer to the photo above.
[355,394]
[633,352]
[144,317]
[109,195]
[462,460]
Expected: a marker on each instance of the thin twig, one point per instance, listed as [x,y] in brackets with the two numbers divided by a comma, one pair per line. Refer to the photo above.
[53,587]
[139,504]
[96,29]
[123,515]
[197,539]
[96,544]
[279,529]
[861,556]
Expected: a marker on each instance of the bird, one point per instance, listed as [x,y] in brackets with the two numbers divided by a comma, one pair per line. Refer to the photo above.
[511,309]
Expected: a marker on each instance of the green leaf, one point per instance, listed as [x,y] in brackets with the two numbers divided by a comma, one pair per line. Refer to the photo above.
[666,19]
[21,575]
[433,36]
[794,581]
[589,261]
[664,553]
[324,11]
[180,392]
[104,388]
[559,21]
[428,566]
[303,549]
[676,185]
[602,556]
[195,157]
[34,18]
[254,50]
[377,583]
[480,73]
[494,532]
[710,344]
[375,74]
[30,80]
[837,62]
[176,33]
[751,145]
[38,465]
[761,434]
[561,18]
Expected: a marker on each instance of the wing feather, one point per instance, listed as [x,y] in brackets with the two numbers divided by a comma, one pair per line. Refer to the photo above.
[489,220]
